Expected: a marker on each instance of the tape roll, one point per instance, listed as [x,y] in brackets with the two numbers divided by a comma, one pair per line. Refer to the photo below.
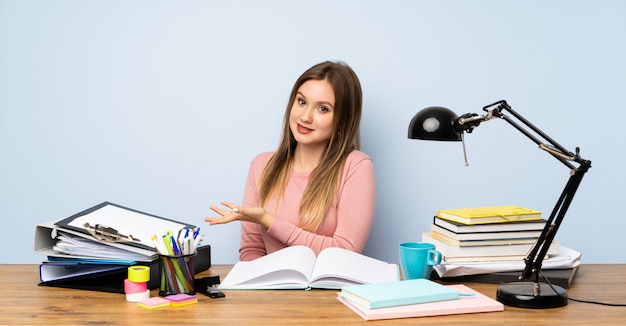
[134,287]
[139,274]
[136,297]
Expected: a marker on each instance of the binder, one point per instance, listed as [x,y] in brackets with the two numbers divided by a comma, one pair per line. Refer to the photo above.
[139,224]
[104,278]
[110,278]
[100,274]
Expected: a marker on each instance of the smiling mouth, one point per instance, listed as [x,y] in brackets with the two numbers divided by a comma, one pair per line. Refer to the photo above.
[303,129]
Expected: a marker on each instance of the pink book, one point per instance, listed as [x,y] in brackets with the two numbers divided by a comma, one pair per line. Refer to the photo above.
[469,301]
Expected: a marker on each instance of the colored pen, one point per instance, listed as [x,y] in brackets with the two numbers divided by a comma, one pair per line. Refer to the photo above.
[195,233]
[175,247]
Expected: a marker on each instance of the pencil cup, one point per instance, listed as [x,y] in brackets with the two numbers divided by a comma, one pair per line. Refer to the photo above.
[417,259]
[177,275]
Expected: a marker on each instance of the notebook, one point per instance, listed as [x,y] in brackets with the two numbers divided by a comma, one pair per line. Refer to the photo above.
[469,301]
[381,295]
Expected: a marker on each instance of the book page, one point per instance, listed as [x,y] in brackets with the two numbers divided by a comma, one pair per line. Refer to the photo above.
[288,268]
[337,267]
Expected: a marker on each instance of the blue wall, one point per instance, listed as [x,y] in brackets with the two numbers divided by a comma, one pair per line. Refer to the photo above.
[160,105]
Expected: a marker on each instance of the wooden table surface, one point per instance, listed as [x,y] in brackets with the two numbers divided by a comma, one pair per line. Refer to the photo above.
[24,302]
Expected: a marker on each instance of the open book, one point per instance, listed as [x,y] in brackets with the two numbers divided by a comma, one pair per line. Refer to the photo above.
[297,267]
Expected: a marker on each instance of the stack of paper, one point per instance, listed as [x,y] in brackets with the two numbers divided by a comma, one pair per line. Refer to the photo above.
[80,247]
[566,259]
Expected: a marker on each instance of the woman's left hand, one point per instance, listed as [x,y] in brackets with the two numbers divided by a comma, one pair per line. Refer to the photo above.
[239,213]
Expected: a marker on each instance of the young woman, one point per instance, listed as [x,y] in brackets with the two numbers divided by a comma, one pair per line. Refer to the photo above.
[317,189]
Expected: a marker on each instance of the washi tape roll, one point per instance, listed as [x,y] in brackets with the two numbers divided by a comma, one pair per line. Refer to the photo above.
[134,287]
[136,297]
[139,274]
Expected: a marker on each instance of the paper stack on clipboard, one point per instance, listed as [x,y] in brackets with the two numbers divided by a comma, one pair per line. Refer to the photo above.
[93,249]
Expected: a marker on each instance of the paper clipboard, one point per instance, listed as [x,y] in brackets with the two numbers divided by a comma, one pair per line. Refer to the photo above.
[125,220]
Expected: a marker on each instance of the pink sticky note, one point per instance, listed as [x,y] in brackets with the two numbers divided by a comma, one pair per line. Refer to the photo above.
[181,297]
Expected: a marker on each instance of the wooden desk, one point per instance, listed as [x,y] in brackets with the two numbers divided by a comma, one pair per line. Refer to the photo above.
[23,302]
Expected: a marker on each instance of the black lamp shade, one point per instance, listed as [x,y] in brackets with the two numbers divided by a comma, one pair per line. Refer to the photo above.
[434,123]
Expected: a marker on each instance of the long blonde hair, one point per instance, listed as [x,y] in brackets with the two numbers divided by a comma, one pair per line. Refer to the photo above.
[325,178]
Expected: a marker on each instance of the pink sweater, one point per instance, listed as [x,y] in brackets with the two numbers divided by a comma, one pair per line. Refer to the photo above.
[346,225]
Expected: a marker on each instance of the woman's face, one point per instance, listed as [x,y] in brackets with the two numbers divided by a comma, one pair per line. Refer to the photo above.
[311,116]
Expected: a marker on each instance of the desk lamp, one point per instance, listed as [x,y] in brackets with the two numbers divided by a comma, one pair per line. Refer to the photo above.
[438,123]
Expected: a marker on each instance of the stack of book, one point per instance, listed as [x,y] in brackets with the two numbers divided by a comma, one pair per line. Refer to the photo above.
[414,298]
[486,234]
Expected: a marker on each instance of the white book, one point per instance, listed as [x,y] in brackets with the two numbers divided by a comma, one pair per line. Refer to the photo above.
[481,242]
[297,267]
[450,250]
[460,228]
[485,235]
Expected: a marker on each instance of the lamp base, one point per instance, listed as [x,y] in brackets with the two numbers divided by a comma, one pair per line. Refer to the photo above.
[522,295]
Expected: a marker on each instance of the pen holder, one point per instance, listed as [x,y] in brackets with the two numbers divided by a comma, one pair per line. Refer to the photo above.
[177,275]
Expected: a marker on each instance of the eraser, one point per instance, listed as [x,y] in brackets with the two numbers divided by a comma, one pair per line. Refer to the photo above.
[154,302]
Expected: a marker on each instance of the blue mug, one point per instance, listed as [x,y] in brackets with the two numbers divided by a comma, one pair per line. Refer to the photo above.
[417,259]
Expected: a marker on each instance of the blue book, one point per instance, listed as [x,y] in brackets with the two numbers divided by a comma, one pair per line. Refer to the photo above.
[399,293]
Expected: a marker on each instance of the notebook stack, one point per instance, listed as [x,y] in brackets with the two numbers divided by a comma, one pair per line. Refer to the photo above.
[486,234]
[414,298]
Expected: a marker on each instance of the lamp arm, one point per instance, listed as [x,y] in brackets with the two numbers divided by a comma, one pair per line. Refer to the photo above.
[558,151]
[535,257]
[469,121]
